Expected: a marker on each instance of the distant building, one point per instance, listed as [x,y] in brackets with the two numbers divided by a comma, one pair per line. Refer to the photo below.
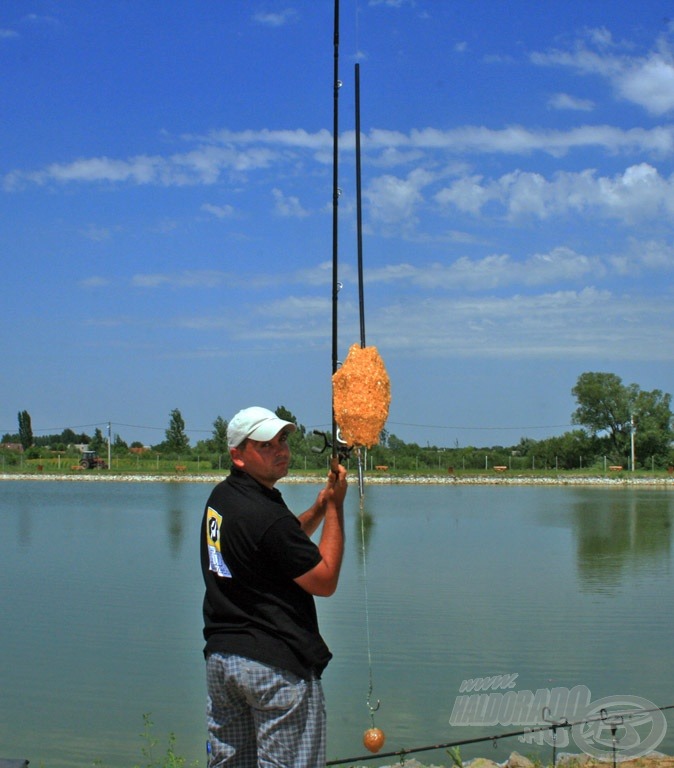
[12,447]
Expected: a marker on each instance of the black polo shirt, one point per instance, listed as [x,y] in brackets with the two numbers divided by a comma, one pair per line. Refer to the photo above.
[252,549]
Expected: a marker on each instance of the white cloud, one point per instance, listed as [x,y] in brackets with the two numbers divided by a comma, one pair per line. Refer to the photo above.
[652,254]
[518,140]
[279,19]
[467,194]
[528,326]
[392,3]
[649,83]
[647,80]
[226,155]
[288,206]
[95,281]
[187,279]
[493,271]
[639,193]
[563,101]
[219,211]
[203,165]
[393,201]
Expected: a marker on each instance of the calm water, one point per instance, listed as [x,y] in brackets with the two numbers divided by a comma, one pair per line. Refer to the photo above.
[101,599]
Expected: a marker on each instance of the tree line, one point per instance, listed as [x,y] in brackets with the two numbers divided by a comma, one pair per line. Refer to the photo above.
[616,422]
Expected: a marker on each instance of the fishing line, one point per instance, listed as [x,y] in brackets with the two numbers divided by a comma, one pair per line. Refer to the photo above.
[370,706]
[361,305]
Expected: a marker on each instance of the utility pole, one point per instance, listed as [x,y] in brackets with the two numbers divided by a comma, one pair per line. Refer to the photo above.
[109,452]
[632,430]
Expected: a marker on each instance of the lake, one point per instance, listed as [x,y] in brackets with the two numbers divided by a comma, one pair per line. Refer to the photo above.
[555,588]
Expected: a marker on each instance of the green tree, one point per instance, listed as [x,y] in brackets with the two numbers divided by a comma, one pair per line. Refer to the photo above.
[283,413]
[571,450]
[609,409]
[119,446]
[98,443]
[25,430]
[604,408]
[653,424]
[296,439]
[219,439]
[68,437]
[176,439]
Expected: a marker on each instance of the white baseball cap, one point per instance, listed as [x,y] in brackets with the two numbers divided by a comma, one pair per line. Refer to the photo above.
[256,423]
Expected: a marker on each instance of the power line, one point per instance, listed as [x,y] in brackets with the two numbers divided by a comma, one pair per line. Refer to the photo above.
[441,426]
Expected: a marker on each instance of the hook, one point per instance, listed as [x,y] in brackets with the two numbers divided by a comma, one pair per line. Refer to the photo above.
[373,709]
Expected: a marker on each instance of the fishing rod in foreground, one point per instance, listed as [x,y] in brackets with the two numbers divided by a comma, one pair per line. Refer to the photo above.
[360,386]
[337,84]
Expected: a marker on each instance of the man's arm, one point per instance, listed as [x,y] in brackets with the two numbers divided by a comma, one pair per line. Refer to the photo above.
[313,517]
[322,579]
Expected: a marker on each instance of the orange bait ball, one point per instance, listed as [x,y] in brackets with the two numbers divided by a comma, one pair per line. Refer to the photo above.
[374,739]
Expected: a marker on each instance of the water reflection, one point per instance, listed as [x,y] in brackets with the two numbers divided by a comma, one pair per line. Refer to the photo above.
[25,522]
[364,524]
[175,517]
[615,533]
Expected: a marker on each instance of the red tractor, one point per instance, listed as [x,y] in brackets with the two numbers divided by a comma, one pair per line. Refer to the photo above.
[91,460]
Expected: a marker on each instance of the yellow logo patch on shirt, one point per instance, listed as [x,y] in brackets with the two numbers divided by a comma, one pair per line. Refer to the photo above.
[216,562]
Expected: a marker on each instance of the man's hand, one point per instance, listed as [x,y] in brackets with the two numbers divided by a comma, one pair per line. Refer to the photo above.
[322,579]
[336,486]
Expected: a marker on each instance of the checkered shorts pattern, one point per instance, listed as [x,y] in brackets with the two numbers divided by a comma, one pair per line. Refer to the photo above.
[263,717]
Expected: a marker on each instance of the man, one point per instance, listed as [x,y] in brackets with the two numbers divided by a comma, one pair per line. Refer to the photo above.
[264,652]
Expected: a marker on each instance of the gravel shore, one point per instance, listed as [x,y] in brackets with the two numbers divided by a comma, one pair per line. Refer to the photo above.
[623,481]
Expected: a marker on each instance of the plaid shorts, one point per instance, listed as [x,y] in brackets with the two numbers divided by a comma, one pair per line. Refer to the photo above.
[263,717]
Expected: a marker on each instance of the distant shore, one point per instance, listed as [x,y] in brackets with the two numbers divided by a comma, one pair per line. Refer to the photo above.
[622,481]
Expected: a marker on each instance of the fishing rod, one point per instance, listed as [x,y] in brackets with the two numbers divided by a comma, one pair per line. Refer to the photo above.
[339,450]
[603,716]
[359,214]
[359,235]
[335,219]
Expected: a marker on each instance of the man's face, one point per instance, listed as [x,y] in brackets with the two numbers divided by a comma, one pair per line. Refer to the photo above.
[266,461]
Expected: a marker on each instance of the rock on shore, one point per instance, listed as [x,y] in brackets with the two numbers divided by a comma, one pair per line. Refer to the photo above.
[516,760]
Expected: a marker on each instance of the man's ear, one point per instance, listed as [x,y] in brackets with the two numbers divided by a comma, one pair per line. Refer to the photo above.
[237,458]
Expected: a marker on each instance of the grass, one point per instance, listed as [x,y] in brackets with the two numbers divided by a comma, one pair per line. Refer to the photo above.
[152,757]
[133,466]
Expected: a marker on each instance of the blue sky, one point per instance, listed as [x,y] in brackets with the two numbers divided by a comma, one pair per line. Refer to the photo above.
[166,197]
